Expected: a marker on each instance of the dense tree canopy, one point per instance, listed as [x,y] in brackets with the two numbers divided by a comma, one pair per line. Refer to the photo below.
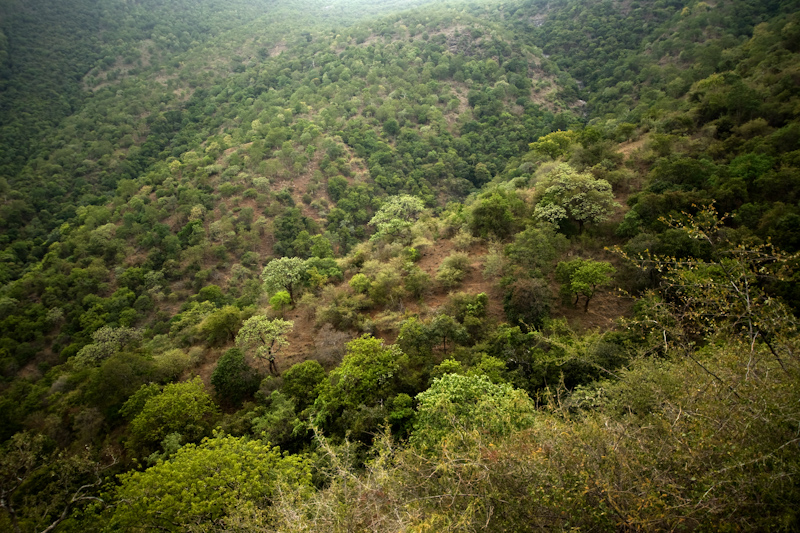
[203,483]
[383,198]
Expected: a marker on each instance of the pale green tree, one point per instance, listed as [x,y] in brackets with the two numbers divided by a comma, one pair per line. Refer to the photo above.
[107,341]
[577,196]
[456,405]
[264,335]
[283,274]
[396,216]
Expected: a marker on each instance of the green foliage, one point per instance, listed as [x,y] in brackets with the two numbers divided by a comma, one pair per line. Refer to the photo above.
[342,309]
[171,363]
[140,165]
[396,216]
[301,383]
[360,283]
[41,485]
[536,249]
[264,335]
[455,405]
[204,483]
[491,215]
[278,421]
[321,271]
[233,379]
[527,302]
[221,326]
[283,274]
[554,145]
[351,399]
[184,408]
[107,341]
[583,277]
[566,194]
[280,302]
[416,281]
[444,327]
[453,270]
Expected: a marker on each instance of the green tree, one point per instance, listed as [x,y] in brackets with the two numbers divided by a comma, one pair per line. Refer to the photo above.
[396,216]
[391,127]
[220,326]
[554,145]
[283,274]
[233,379]
[302,381]
[456,405]
[280,301]
[203,483]
[264,335]
[180,408]
[583,277]
[355,393]
[491,214]
[527,302]
[580,197]
[107,341]
[446,327]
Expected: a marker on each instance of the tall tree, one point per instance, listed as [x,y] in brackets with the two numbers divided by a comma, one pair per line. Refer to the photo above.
[265,335]
[577,196]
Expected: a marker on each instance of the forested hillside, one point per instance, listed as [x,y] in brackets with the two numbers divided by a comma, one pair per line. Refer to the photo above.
[399,266]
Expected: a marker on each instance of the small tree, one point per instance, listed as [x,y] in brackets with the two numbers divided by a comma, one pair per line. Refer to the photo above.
[107,341]
[263,334]
[579,197]
[583,277]
[446,327]
[354,395]
[233,379]
[454,405]
[280,301]
[283,274]
[220,326]
[396,216]
[491,214]
[554,145]
[302,381]
[527,302]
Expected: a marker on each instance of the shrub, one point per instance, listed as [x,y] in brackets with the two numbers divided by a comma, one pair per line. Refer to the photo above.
[280,301]
[527,302]
[233,379]
[453,270]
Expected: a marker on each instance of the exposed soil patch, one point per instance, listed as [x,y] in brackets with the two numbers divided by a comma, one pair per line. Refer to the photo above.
[277,49]
[604,309]
[628,147]
[205,366]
